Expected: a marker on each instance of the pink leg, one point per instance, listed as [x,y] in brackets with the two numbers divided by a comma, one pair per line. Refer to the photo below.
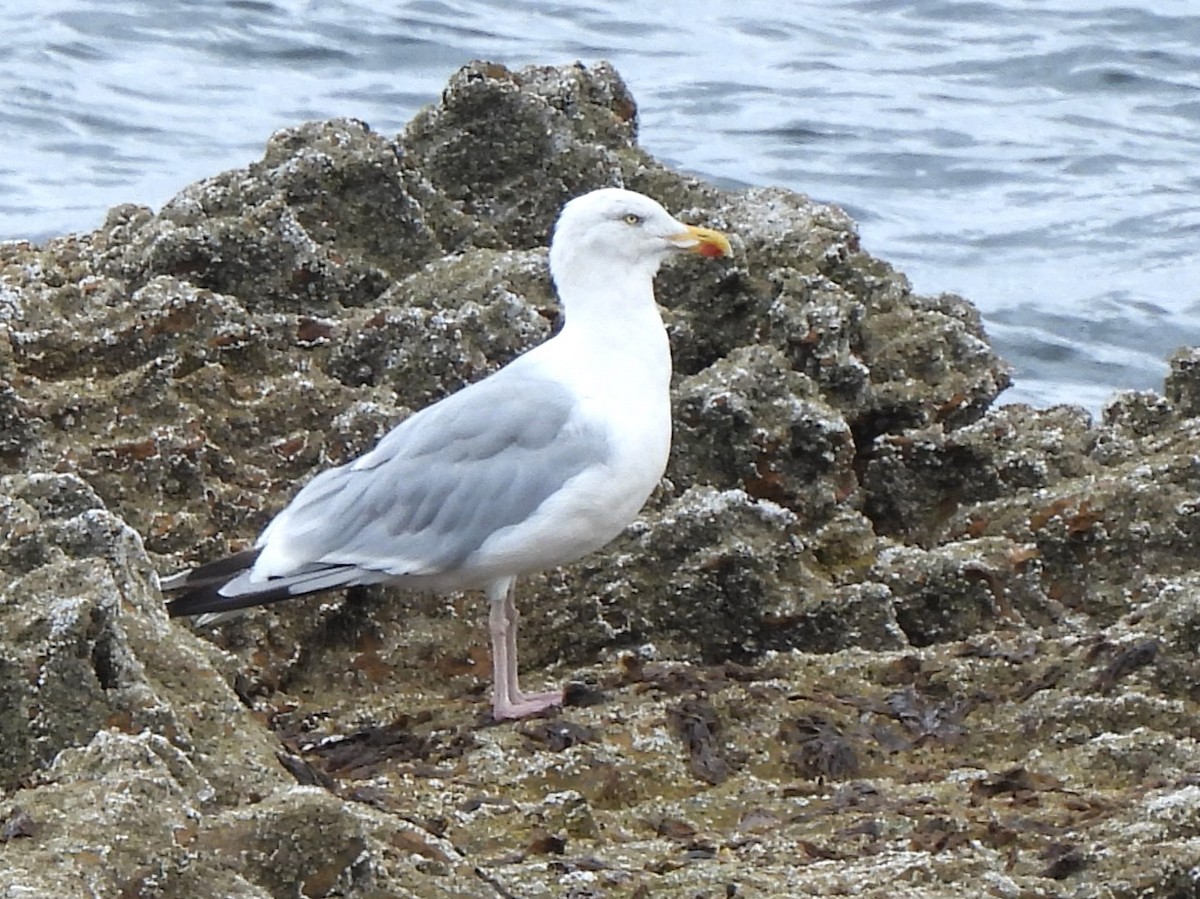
[507,699]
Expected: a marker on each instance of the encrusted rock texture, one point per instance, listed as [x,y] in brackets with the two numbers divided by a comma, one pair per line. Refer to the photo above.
[875,634]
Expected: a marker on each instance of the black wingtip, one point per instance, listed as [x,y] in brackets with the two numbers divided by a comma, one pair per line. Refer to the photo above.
[201,587]
[219,572]
[200,590]
[208,598]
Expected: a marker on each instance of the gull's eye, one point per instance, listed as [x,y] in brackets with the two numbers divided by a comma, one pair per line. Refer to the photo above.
[632,218]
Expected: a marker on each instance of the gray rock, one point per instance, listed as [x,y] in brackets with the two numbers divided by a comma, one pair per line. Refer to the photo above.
[1183,386]
[88,647]
[512,147]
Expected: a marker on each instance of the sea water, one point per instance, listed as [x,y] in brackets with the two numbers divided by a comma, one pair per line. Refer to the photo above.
[1039,158]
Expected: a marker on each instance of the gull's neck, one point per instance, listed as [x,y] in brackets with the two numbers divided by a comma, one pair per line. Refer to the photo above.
[611,318]
[607,302]
[611,306]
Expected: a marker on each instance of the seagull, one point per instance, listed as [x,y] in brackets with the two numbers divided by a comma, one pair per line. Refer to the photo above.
[544,461]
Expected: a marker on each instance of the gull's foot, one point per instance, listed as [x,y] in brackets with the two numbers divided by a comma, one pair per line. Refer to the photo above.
[527,705]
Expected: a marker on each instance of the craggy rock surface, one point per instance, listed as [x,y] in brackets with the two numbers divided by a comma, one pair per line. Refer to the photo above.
[874,635]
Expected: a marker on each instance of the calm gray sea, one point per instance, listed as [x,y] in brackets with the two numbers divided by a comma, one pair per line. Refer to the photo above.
[1038,156]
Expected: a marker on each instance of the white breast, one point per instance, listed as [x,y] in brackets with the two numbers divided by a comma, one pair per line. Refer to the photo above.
[623,392]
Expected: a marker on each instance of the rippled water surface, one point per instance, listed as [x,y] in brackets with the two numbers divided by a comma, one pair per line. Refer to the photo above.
[1041,158]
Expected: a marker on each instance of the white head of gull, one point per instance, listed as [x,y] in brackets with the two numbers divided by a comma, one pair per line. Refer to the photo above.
[546,460]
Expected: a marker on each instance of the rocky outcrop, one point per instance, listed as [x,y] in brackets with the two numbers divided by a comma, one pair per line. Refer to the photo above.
[873,635]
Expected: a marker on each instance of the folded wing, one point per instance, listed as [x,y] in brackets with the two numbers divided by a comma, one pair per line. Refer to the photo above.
[428,496]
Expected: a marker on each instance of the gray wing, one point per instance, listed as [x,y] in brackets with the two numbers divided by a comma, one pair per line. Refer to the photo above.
[444,480]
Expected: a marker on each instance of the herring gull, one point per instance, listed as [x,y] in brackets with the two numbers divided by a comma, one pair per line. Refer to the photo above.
[542,462]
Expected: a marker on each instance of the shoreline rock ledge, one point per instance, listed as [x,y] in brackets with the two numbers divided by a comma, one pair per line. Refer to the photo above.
[874,635]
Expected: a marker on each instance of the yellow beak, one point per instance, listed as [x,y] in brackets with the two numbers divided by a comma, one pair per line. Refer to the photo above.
[704,241]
